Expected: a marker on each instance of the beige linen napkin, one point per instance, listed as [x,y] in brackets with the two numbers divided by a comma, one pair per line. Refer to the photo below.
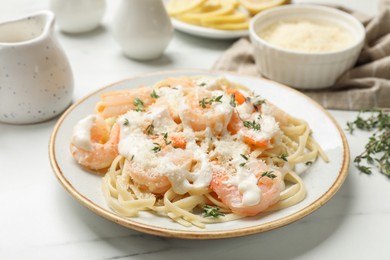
[366,85]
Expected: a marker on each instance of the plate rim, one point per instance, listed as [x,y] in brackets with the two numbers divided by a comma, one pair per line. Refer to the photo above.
[208,32]
[201,234]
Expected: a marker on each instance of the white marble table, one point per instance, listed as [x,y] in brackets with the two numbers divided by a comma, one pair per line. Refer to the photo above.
[40,220]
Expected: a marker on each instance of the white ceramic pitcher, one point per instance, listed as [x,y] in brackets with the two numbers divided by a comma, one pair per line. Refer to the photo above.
[78,16]
[36,81]
[142,28]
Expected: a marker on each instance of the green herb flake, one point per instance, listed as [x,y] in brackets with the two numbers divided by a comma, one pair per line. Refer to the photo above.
[139,105]
[244,156]
[165,137]
[154,94]
[233,100]
[208,101]
[283,157]
[211,211]
[268,174]
[252,125]
[126,122]
[150,129]
[156,148]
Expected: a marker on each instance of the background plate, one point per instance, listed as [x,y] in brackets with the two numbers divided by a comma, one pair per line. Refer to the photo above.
[207,32]
[322,180]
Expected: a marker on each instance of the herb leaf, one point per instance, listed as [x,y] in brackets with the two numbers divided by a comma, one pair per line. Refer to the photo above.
[150,129]
[211,211]
[233,100]
[208,101]
[139,105]
[252,125]
[154,94]
[165,136]
[156,148]
[268,174]
[283,157]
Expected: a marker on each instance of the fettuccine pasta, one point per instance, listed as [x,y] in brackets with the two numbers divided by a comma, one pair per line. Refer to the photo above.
[197,150]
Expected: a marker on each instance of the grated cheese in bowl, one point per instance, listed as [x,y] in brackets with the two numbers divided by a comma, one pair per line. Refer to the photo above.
[307,35]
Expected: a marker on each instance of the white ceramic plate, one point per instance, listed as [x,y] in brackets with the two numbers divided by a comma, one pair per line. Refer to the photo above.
[322,179]
[207,32]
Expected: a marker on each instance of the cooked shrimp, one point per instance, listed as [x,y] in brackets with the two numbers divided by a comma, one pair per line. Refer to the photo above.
[176,140]
[207,109]
[153,181]
[174,82]
[117,103]
[102,147]
[257,188]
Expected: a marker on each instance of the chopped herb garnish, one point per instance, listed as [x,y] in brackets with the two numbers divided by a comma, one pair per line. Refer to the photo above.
[126,122]
[156,148]
[208,101]
[244,156]
[166,139]
[233,100]
[212,211]
[283,157]
[258,103]
[150,129]
[308,163]
[377,150]
[139,105]
[132,157]
[154,94]
[268,174]
[252,125]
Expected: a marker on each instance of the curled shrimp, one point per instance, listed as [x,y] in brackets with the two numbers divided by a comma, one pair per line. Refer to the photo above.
[116,103]
[184,82]
[149,179]
[268,181]
[100,148]
[207,110]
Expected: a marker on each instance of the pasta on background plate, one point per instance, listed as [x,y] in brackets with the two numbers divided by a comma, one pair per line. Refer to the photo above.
[195,149]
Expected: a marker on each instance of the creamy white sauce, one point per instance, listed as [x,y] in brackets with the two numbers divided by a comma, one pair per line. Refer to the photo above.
[246,182]
[137,146]
[208,83]
[268,128]
[81,137]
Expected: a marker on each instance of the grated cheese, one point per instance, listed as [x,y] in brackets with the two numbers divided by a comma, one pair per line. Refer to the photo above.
[307,35]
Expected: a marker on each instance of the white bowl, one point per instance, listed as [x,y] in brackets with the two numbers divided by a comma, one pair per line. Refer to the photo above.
[305,70]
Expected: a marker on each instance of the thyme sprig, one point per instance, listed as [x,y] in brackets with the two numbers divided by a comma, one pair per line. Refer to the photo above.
[150,129]
[165,137]
[139,105]
[156,148]
[252,125]
[377,150]
[245,158]
[208,101]
[154,94]
[233,100]
[268,174]
[283,157]
[212,211]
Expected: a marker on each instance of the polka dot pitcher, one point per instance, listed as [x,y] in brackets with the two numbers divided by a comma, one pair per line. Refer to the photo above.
[36,81]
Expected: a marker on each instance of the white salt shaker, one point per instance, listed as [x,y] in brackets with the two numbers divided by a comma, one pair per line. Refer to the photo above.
[142,28]
[78,16]
[36,80]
